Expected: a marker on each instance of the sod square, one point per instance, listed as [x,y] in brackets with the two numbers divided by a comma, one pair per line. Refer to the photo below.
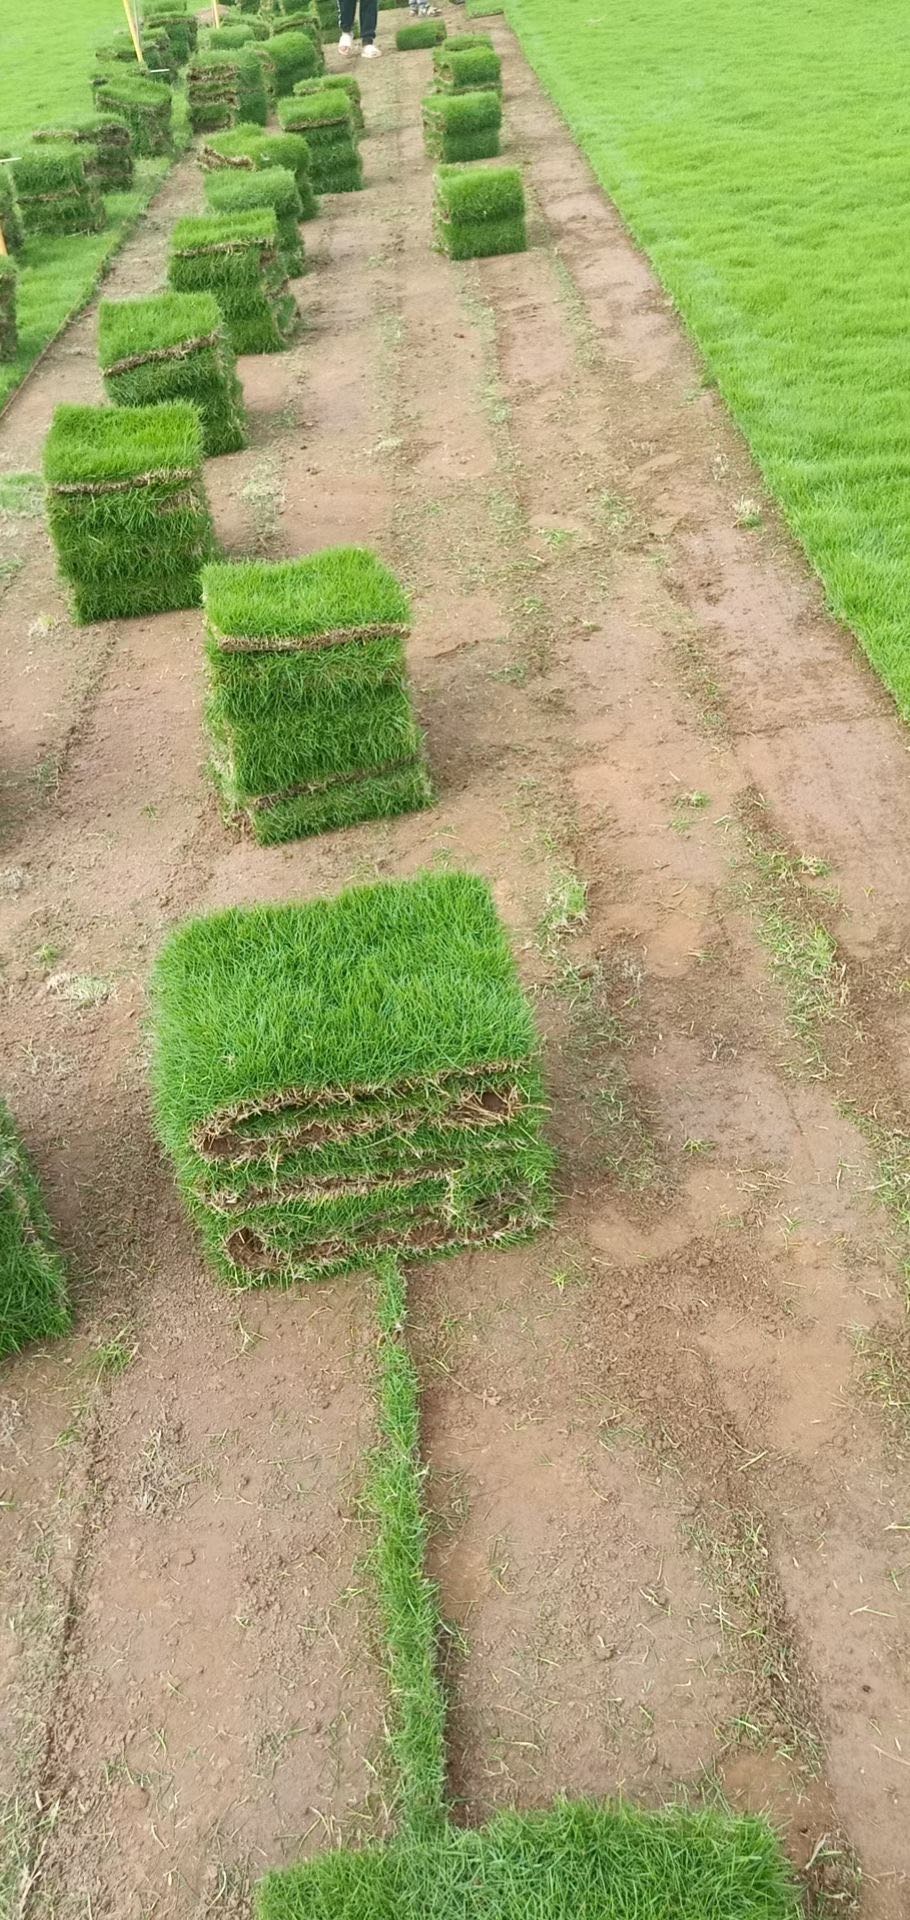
[9,331]
[464,72]
[296,56]
[309,711]
[479,211]
[462,126]
[234,190]
[348,85]
[237,257]
[325,119]
[237,33]
[54,192]
[158,60]
[225,88]
[144,104]
[173,346]
[33,1304]
[10,218]
[419,34]
[181,27]
[246,148]
[300,19]
[106,145]
[578,1862]
[127,509]
[353,1076]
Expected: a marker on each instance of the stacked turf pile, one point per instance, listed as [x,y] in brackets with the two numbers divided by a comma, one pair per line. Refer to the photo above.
[126,507]
[9,331]
[246,148]
[309,710]
[295,56]
[157,55]
[144,104]
[465,71]
[462,126]
[326,121]
[54,192]
[479,211]
[350,1077]
[10,217]
[461,43]
[173,346]
[32,1283]
[300,20]
[237,257]
[349,86]
[225,88]
[237,33]
[181,27]
[420,33]
[233,191]
[106,145]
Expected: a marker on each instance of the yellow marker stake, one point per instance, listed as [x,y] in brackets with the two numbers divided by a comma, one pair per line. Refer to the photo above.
[134,30]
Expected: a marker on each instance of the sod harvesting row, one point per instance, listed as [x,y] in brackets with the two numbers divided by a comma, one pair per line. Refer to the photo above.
[33,1303]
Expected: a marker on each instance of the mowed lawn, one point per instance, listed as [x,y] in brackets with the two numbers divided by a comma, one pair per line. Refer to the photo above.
[47,54]
[761,154]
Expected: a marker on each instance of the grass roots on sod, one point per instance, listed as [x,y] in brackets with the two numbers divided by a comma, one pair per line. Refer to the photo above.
[126,507]
[145,105]
[106,144]
[54,192]
[349,86]
[326,121]
[479,211]
[173,346]
[462,126]
[309,709]
[33,1302]
[224,88]
[233,191]
[246,148]
[237,258]
[465,71]
[350,1077]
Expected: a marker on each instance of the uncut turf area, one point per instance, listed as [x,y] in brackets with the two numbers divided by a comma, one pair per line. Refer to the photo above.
[759,155]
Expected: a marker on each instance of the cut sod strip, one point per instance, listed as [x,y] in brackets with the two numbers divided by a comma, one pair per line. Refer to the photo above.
[326,121]
[237,258]
[145,105]
[54,192]
[578,1862]
[9,330]
[462,126]
[479,211]
[173,346]
[127,509]
[224,88]
[349,86]
[295,56]
[422,33]
[33,1302]
[106,144]
[464,72]
[181,27]
[234,190]
[246,148]
[349,1078]
[309,711]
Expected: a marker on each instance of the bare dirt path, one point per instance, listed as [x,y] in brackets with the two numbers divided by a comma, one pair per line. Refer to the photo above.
[672,1518]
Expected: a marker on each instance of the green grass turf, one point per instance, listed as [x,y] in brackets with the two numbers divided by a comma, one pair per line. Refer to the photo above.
[423,33]
[326,121]
[464,72]
[462,126]
[759,155]
[9,277]
[295,57]
[229,190]
[47,55]
[225,88]
[236,257]
[54,193]
[106,146]
[173,346]
[479,211]
[250,147]
[32,1282]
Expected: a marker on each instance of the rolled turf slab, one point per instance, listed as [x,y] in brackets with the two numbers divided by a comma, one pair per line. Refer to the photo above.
[145,105]
[237,257]
[106,144]
[9,330]
[295,56]
[461,127]
[309,710]
[420,34]
[326,121]
[127,509]
[246,148]
[348,1078]
[233,191]
[54,192]
[225,89]
[479,211]
[468,70]
[33,1303]
[10,217]
[348,85]
[173,346]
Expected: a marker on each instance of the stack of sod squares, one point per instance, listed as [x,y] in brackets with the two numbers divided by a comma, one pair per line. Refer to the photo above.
[479,211]
[224,88]
[237,257]
[181,27]
[232,191]
[144,104]
[461,43]
[9,331]
[309,711]
[464,72]
[246,148]
[295,56]
[173,346]
[54,192]
[350,1077]
[420,33]
[127,509]
[326,121]
[106,145]
[462,126]
[32,1284]
[349,86]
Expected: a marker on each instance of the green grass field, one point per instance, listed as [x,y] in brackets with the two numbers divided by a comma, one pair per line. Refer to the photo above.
[48,53]
[759,155]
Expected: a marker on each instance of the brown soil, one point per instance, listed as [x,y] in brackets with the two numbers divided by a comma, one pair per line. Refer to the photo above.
[672,1521]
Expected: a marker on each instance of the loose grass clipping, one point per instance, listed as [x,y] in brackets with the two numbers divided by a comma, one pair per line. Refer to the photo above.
[144,104]
[466,71]
[9,331]
[246,148]
[106,145]
[54,192]
[173,346]
[421,33]
[33,1303]
[237,257]
[348,85]
[127,509]
[225,88]
[326,121]
[348,1078]
[234,191]
[309,710]
[462,126]
[479,211]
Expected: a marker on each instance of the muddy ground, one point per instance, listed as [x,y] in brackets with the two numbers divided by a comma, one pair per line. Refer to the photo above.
[669,1441]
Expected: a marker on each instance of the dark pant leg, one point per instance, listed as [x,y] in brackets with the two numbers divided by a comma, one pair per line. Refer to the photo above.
[346,12]
[369,11]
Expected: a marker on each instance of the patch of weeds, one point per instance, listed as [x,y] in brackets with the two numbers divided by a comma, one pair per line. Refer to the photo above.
[82,989]
[566,909]
[802,952]
[21,495]
[884,1359]
[45,776]
[111,1358]
[47,954]
[747,512]
[698,1149]
[557,537]
[699,682]
[685,806]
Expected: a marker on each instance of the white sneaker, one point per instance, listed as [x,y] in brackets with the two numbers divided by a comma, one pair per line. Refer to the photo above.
[345,43]
[372,52]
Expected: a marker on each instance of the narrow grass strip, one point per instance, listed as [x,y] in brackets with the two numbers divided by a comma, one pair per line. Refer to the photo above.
[9,331]
[33,1304]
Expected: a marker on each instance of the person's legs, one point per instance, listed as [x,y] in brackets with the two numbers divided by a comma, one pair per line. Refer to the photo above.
[346,12]
[369,13]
